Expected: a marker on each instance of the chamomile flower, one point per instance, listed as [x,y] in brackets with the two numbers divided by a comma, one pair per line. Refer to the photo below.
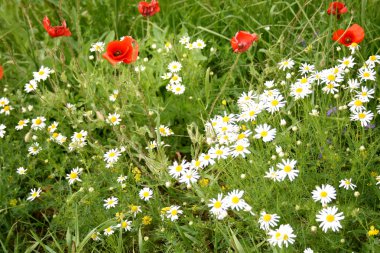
[325,194]
[207,159]
[125,224]
[365,94]
[97,47]
[196,164]
[308,250]
[306,68]
[176,170]
[34,194]
[21,171]
[353,84]
[74,175]
[200,44]
[300,91]
[109,231]
[79,136]
[165,131]
[135,210]
[275,103]
[240,149]
[218,205]
[287,169]
[2,130]
[330,219]
[266,132]
[112,155]
[38,123]
[246,98]
[173,213]
[219,152]
[110,202]
[178,88]
[113,119]
[269,84]
[363,116]
[4,101]
[282,236]
[6,109]
[152,145]
[95,236]
[121,179]
[356,105]
[168,46]
[267,220]
[273,174]
[372,60]
[146,194]
[366,74]
[174,67]
[189,176]
[42,74]
[53,127]
[347,184]
[354,47]
[330,88]
[286,64]
[184,40]
[114,95]
[34,149]
[347,62]
[235,200]
[175,79]
[189,46]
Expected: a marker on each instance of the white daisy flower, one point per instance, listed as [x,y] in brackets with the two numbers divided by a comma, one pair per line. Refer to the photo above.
[38,123]
[287,169]
[324,194]
[267,220]
[111,202]
[347,184]
[125,224]
[286,64]
[112,155]
[173,213]
[21,171]
[113,119]
[330,219]
[146,194]
[42,74]
[364,117]
[34,194]
[74,175]
[265,132]
[97,47]
[174,67]
[282,236]
[235,201]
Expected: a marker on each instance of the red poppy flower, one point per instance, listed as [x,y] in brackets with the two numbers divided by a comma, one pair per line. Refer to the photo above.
[355,33]
[122,51]
[336,8]
[243,41]
[149,9]
[56,31]
[1,72]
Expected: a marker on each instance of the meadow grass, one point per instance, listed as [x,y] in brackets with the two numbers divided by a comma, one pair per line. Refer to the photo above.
[66,217]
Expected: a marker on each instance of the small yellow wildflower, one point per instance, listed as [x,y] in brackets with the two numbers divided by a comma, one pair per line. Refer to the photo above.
[373,231]
[13,202]
[146,220]
[204,182]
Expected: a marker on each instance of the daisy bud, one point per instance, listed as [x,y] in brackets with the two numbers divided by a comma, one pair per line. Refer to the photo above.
[159,50]
[342,240]
[357,194]
[34,137]
[211,73]
[281,154]
[184,55]
[274,157]
[168,184]
[283,122]
[313,229]
[146,59]
[153,46]
[242,176]
[146,238]
[91,57]
[336,96]
[267,28]
[294,128]
[91,189]
[191,223]
[297,207]
[338,48]
[30,107]
[362,148]
[299,143]
[188,186]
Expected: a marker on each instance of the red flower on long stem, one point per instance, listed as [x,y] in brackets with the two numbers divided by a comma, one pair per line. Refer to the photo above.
[56,31]
[149,9]
[1,72]
[337,8]
[354,34]
[125,51]
[243,41]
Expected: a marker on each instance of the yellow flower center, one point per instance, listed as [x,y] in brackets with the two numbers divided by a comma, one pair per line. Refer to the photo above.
[217,204]
[38,121]
[264,133]
[372,58]
[178,168]
[287,168]
[330,86]
[226,119]
[174,212]
[41,72]
[146,194]
[219,152]
[267,217]
[235,199]
[361,115]
[299,90]
[366,74]
[304,80]
[331,77]
[330,218]
[73,175]
[323,194]
[274,102]
[239,148]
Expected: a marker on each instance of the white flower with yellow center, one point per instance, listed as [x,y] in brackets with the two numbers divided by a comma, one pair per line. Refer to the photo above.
[207,159]
[97,47]
[53,127]
[347,184]
[325,194]
[363,116]
[235,200]
[275,103]
[34,194]
[366,74]
[4,101]
[6,109]
[173,213]
[240,148]
[176,170]
[112,155]
[109,231]
[218,206]
[287,169]
[199,44]
[306,68]
[184,40]
[38,123]
[347,62]
[365,94]
[267,220]
[356,105]
[219,152]
[21,124]
[178,89]
[265,132]
[175,79]
[189,176]
[286,64]
[282,236]
[110,202]
[330,219]
[125,224]
[174,67]
[146,194]
[372,60]
[42,74]
[21,171]
[113,119]
[74,175]
[34,149]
